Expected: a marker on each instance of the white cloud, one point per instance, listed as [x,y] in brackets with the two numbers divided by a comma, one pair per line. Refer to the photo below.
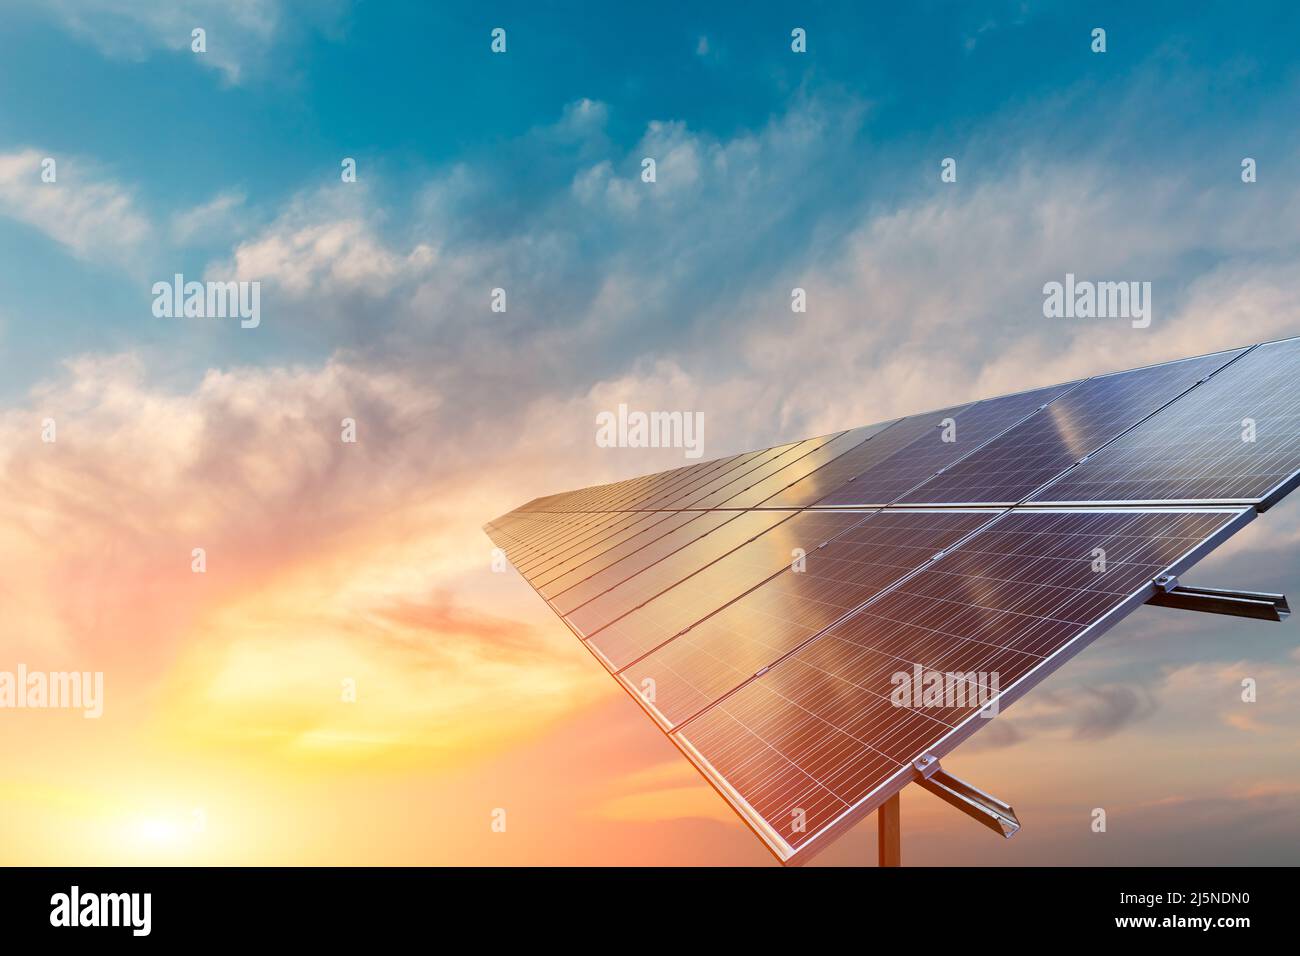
[95,217]
[221,218]
[583,116]
[237,30]
[932,298]
[322,245]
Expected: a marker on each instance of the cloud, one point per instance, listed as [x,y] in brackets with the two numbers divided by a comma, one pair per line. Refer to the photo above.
[325,561]
[927,297]
[240,33]
[583,117]
[93,216]
[223,217]
[329,561]
[1216,688]
[917,299]
[440,615]
[1084,713]
[324,244]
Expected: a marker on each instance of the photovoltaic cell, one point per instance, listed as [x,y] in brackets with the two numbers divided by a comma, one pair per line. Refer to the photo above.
[650,526]
[877,448]
[821,738]
[1013,465]
[812,483]
[526,540]
[939,447]
[603,535]
[565,540]
[733,490]
[574,531]
[701,523]
[596,540]
[622,641]
[1236,438]
[715,656]
[760,492]
[737,477]
[663,574]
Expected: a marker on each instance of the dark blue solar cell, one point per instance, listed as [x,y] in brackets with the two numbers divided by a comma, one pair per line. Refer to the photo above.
[937,447]
[1234,438]
[1013,465]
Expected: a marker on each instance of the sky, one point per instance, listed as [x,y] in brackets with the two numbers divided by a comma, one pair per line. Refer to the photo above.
[225,738]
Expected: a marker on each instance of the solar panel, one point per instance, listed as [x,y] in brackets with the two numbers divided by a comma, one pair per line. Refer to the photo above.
[649,527]
[577,553]
[1234,439]
[876,449]
[753,469]
[645,627]
[699,524]
[764,607]
[567,533]
[663,574]
[1036,451]
[715,656]
[604,534]
[818,741]
[939,446]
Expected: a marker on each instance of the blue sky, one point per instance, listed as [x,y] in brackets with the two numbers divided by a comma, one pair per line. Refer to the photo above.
[411,91]
[521,171]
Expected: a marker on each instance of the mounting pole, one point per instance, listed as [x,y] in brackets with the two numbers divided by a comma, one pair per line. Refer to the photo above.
[889,832]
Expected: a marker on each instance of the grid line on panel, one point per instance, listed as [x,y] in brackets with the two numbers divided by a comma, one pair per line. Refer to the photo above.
[805,527]
[623,497]
[590,536]
[855,440]
[566,534]
[582,565]
[881,594]
[676,499]
[558,546]
[552,579]
[526,538]
[671,499]
[551,529]
[548,532]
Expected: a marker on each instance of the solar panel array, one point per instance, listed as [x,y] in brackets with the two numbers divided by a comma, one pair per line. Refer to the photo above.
[772,611]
